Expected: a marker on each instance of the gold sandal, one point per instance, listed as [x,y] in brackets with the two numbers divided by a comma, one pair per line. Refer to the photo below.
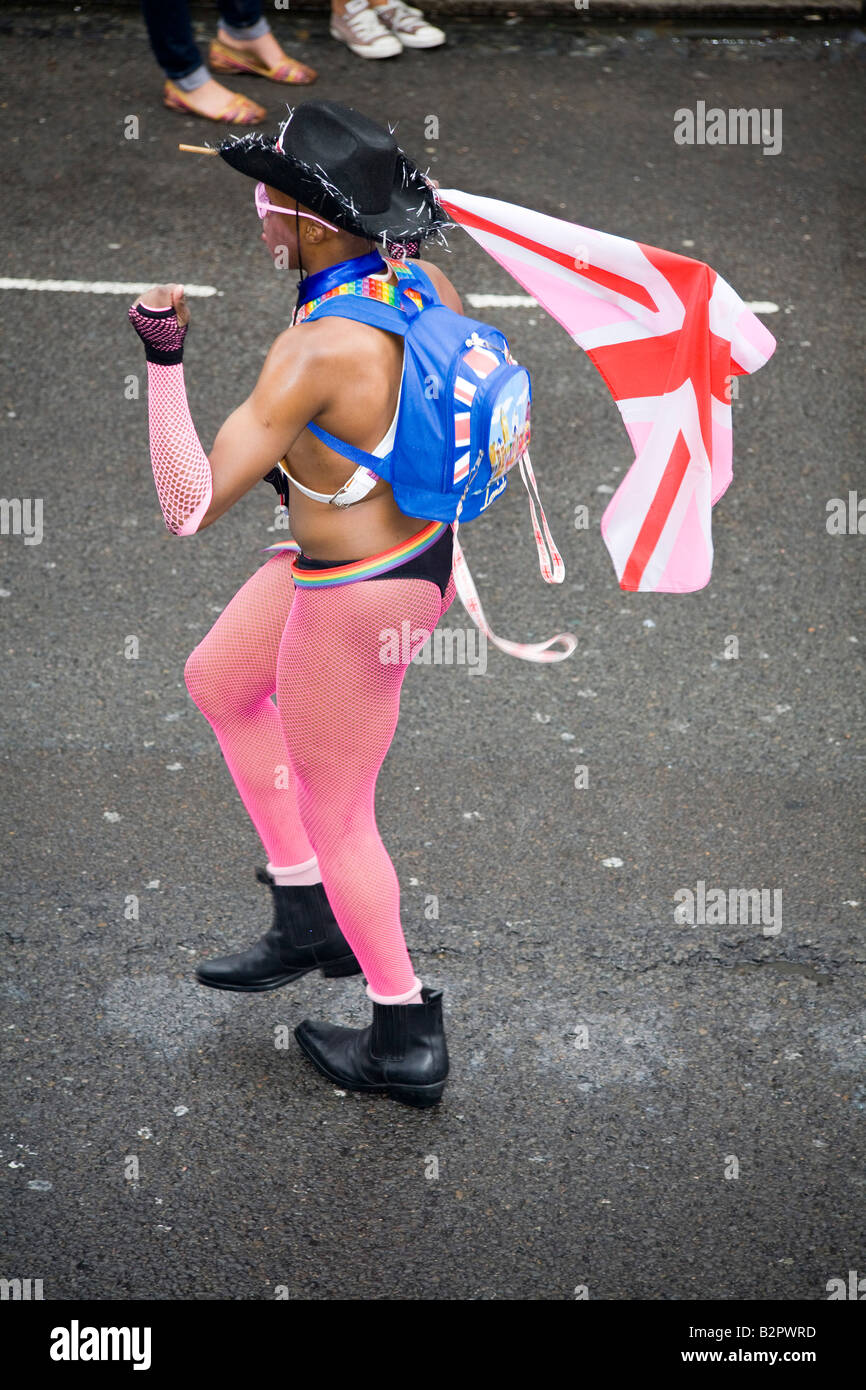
[238,110]
[221,58]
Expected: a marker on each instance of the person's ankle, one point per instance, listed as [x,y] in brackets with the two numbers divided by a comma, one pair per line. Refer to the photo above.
[231,40]
[240,45]
[206,92]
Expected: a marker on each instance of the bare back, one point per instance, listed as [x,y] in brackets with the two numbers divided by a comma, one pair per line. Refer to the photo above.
[365,366]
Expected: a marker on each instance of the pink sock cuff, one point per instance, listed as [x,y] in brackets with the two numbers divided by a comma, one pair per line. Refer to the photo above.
[394,998]
[306,873]
[290,868]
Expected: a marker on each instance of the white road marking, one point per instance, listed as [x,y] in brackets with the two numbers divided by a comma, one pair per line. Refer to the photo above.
[762,306]
[501,301]
[475,301]
[104,287]
[525,301]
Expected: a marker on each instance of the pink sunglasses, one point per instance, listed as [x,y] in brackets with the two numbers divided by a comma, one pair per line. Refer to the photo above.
[263,207]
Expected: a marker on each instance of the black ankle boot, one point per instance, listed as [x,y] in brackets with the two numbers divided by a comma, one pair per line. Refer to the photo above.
[403,1052]
[304,937]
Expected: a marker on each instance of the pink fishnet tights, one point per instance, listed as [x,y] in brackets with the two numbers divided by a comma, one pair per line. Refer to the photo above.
[306,768]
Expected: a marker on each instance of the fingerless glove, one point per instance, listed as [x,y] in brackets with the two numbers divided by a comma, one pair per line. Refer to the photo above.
[160,332]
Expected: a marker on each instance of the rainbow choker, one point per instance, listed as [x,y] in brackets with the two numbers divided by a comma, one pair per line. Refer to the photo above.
[368,287]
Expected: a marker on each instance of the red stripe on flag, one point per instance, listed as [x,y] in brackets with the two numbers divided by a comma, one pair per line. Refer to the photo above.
[657,515]
[632,289]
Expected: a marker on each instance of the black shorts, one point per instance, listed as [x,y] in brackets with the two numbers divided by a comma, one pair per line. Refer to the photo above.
[434,563]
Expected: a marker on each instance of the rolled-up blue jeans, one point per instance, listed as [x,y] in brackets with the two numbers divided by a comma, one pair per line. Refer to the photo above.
[170,33]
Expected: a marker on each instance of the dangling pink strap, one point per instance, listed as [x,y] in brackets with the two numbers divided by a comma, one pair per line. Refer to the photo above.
[557,574]
[552,571]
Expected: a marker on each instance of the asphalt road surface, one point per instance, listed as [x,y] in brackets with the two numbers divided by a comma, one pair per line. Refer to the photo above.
[637,1108]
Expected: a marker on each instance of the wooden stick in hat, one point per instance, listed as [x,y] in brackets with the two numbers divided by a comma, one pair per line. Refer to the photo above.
[197,149]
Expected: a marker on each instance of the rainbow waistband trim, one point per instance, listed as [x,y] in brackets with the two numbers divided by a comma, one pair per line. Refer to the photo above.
[367,568]
[368,288]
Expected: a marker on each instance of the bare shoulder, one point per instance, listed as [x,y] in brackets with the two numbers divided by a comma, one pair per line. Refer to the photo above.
[442,286]
[313,361]
[305,346]
[292,369]
[294,342]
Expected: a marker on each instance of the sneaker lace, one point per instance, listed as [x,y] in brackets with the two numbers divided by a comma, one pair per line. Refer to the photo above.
[404,16]
[366,24]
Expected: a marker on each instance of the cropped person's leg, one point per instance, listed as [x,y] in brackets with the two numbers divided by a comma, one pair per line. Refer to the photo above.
[339,703]
[246,43]
[244,16]
[189,86]
[381,28]
[170,33]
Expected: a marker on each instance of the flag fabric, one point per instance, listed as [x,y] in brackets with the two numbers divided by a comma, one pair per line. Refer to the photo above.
[668,335]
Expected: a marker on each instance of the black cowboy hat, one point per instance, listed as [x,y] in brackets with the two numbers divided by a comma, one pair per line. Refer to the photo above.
[344,167]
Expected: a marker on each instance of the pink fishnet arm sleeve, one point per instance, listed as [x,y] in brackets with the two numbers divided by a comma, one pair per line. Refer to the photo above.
[181,468]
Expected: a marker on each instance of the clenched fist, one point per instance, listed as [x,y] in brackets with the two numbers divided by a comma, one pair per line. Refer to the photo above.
[167,297]
[160,317]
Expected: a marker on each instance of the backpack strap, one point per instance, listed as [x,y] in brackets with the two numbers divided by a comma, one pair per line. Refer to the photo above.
[349,451]
[384,304]
[552,570]
[529,651]
[552,566]
[362,310]
[421,279]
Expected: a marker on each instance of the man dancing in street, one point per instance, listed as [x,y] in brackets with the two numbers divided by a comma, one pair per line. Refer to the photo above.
[306,627]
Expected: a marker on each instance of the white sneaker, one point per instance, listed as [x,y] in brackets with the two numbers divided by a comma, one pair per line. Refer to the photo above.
[359,28]
[410,26]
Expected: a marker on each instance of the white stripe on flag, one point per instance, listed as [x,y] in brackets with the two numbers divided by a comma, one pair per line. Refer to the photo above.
[525,301]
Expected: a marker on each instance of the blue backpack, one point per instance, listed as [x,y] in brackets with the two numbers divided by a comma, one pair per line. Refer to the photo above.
[463,421]
[464,407]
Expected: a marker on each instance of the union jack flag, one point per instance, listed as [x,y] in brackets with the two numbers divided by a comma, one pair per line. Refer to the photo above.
[668,334]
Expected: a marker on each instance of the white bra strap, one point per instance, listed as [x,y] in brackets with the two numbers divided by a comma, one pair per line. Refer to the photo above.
[353,490]
[362,481]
